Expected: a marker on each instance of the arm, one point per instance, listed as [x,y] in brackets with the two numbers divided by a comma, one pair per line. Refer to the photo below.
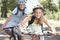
[26,19]
[7,20]
[49,25]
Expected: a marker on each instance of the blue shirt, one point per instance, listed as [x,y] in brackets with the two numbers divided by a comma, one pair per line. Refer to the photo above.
[18,17]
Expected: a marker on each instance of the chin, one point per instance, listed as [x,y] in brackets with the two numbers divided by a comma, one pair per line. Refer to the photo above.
[21,9]
[38,17]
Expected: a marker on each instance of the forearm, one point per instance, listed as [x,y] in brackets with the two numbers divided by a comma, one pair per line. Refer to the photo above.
[23,22]
[7,20]
[49,25]
[53,29]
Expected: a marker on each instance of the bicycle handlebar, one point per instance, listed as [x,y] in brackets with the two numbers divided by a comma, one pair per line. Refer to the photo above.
[48,34]
[31,33]
[10,27]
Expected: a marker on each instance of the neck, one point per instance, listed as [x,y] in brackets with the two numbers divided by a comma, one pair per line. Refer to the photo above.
[37,21]
[20,9]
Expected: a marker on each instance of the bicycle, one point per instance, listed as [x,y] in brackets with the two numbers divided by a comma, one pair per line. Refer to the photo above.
[13,36]
[38,35]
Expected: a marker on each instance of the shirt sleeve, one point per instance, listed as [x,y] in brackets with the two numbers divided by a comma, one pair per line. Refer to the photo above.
[25,11]
[14,11]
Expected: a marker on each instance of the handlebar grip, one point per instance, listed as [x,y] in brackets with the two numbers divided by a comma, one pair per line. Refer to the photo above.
[49,34]
[27,33]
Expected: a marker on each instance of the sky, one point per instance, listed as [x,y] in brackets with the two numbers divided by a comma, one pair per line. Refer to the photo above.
[56,2]
[31,4]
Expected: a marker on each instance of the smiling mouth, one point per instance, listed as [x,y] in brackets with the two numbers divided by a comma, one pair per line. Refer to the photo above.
[37,17]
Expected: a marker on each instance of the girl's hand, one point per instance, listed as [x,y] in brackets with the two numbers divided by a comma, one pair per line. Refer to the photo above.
[54,33]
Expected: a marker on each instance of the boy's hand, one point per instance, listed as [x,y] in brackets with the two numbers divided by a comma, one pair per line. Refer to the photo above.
[1,28]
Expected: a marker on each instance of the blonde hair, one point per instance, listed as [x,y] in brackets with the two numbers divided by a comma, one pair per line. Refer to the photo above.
[41,19]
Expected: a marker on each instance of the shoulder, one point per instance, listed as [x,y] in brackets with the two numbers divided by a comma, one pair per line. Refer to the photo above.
[45,19]
[14,10]
[28,17]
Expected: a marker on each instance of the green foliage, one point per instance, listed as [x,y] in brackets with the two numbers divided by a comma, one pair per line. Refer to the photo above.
[59,4]
[44,3]
[55,16]
[48,14]
[9,4]
[6,6]
[51,10]
[50,5]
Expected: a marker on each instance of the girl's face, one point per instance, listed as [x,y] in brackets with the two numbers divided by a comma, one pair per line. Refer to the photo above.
[21,6]
[38,13]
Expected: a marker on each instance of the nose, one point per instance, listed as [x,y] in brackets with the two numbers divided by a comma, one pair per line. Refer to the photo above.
[38,13]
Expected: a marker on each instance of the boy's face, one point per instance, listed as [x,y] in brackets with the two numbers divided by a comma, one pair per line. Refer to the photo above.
[22,6]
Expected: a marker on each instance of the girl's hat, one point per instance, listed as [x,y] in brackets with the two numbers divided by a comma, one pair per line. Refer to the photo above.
[38,7]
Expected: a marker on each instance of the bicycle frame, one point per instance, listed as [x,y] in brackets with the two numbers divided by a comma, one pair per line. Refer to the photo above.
[13,33]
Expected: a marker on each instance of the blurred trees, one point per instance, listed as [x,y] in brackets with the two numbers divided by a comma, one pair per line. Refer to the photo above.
[7,5]
[49,5]
[51,9]
[59,4]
